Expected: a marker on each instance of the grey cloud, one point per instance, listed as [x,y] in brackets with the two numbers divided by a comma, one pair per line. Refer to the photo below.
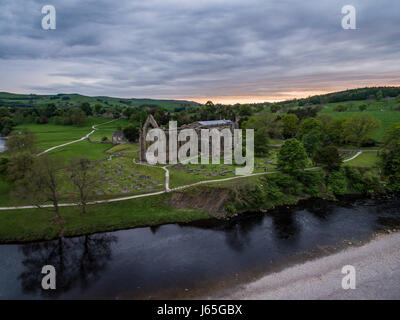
[172,48]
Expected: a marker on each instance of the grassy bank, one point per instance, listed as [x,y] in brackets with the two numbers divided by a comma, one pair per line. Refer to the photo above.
[36,224]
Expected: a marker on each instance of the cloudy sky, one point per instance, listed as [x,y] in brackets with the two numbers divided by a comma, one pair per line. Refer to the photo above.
[223,50]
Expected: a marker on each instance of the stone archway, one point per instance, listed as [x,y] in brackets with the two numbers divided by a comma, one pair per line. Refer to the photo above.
[143,134]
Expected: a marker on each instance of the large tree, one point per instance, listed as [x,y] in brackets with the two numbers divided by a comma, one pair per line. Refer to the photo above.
[19,165]
[329,157]
[265,127]
[131,133]
[43,184]
[290,125]
[312,141]
[292,157]
[21,141]
[390,157]
[359,128]
[84,178]
[308,125]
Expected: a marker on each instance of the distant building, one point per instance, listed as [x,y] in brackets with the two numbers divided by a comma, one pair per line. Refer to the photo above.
[118,137]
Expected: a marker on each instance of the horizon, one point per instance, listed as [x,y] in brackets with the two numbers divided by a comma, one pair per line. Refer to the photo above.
[205,99]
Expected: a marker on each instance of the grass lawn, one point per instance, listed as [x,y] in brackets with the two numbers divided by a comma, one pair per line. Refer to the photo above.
[379,110]
[92,151]
[49,135]
[192,173]
[108,129]
[36,224]
[130,150]
[366,159]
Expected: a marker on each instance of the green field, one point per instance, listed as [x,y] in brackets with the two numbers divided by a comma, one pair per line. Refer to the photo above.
[49,135]
[73,100]
[379,110]
[108,129]
[366,159]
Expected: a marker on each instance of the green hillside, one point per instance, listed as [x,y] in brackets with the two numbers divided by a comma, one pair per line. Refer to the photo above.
[70,100]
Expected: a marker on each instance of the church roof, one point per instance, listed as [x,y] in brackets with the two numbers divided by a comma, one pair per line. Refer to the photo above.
[214,122]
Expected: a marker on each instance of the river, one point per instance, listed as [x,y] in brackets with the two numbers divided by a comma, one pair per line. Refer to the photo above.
[183,261]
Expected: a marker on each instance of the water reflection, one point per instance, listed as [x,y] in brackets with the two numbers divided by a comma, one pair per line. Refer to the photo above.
[285,225]
[238,233]
[78,261]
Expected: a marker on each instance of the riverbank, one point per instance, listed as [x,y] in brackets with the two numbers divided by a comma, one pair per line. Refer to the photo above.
[377,266]
[235,198]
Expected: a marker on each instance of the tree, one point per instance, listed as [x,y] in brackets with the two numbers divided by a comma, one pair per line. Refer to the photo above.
[308,125]
[390,157]
[292,157]
[379,95]
[43,184]
[19,165]
[77,117]
[131,133]
[290,123]
[358,128]
[263,125]
[337,183]
[98,109]
[6,125]
[328,156]
[340,108]
[21,141]
[334,131]
[312,141]
[261,141]
[85,107]
[362,107]
[85,180]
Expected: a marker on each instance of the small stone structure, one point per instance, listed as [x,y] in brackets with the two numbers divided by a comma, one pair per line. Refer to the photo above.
[118,137]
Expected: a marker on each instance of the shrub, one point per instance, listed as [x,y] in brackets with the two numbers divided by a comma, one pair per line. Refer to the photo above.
[311,181]
[340,108]
[337,183]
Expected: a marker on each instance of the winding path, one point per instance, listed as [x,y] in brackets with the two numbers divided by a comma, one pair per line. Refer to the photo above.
[165,168]
[81,139]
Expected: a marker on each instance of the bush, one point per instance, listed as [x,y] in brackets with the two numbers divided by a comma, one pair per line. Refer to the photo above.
[131,133]
[340,108]
[311,181]
[363,107]
[354,179]
[337,183]
[328,156]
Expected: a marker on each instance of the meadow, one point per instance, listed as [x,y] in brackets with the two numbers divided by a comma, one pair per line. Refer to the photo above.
[380,110]
[74,100]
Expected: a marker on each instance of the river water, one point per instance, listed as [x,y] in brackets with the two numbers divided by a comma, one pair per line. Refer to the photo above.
[183,261]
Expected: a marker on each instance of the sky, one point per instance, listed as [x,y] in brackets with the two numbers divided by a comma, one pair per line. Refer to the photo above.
[221,50]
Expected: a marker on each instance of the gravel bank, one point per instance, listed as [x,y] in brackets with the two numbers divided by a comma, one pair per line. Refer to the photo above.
[377,265]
